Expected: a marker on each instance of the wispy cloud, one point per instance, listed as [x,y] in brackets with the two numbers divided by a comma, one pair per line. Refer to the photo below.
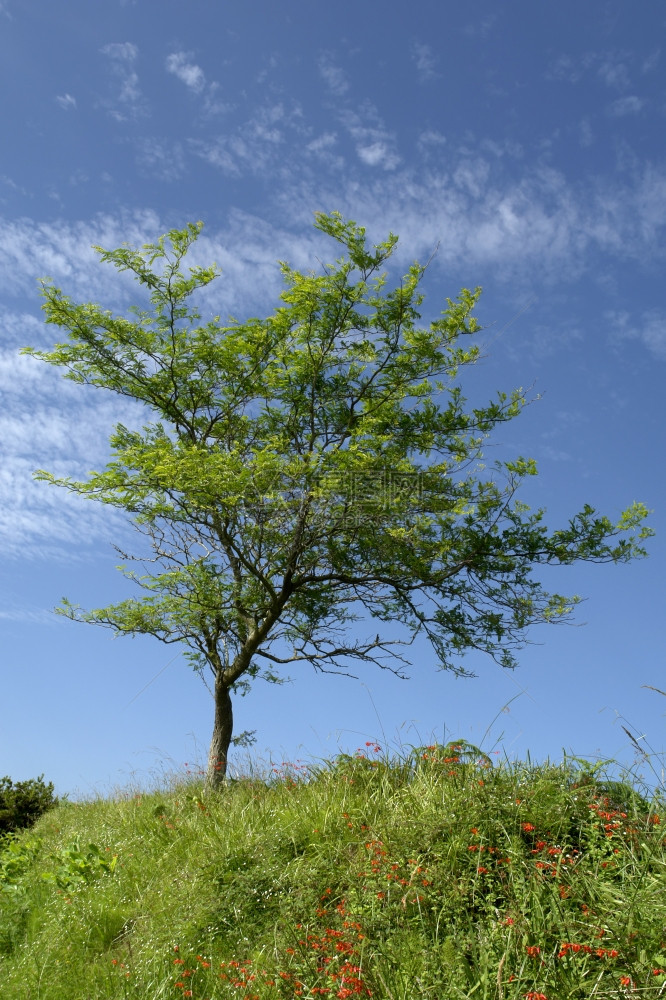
[324,148]
[430,145]
[123,56]
[66,101]
[649,328]
[517,225]
[650,63]
[483,218]
[425,61]
[334,76]
[585,134]
[28,616]
[187,72]
[322,142]
[213,104]
[614,73]
[53,424]
[481,27]
[626,106]
[256,145]
[375,145]
[10,183]
[613,68]
[162,159]
[122,51]
[63,251]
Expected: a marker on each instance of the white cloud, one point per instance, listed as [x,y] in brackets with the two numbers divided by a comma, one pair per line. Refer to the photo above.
[612,68]
[431,137]
[518,226]
[162,159]
[323,148]
[256,146]
[626,106]
[614,73]
[49,422]
[534,223]
[187,72]
[472,176]
[649,329]
[32,617]
[566,68]
[334,76]
[123,55]
[481,26]
[375,145]
[212,104]
[63,251]
[424,60]
[585,134]
[376,153]
[122,51]
[651,62]
[66,101]
[322,142]
[12,184]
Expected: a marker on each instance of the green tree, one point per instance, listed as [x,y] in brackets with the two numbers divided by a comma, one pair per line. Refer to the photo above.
[23,802]
[306,470]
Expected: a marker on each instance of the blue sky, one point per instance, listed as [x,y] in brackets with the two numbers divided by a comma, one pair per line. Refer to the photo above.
[525,141]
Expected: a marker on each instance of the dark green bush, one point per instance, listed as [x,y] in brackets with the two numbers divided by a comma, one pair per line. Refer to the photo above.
[23,802]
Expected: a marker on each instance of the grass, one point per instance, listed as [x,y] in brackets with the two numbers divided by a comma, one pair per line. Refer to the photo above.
[435,875]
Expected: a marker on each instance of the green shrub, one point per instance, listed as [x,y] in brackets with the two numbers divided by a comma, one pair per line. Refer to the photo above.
[23,802]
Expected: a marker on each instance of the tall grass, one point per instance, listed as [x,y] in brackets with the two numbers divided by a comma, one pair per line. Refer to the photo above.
[433,875]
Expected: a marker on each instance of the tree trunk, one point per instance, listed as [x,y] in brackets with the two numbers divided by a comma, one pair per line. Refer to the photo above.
[223,727]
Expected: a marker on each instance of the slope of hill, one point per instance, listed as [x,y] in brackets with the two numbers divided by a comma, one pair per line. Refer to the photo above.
[435,876]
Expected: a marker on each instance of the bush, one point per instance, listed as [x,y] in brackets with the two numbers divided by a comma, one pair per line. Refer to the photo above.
[22,804]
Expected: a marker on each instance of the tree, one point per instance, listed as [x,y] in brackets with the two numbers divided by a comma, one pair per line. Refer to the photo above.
[23,802]
[310,468]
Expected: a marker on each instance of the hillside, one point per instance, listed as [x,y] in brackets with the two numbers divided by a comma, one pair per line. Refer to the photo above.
[436,876]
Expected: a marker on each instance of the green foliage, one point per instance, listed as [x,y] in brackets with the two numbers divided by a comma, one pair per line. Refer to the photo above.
[23,802]
[435,874]
[16,859]
[314,467]
[78,866]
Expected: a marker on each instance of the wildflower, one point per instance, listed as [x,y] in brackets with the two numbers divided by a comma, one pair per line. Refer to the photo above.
[528,827]
[533,950]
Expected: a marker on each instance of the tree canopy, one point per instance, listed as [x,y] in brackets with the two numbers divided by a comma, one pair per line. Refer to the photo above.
[311,469]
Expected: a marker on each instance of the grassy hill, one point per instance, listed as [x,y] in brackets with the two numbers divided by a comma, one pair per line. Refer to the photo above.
[436,876]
